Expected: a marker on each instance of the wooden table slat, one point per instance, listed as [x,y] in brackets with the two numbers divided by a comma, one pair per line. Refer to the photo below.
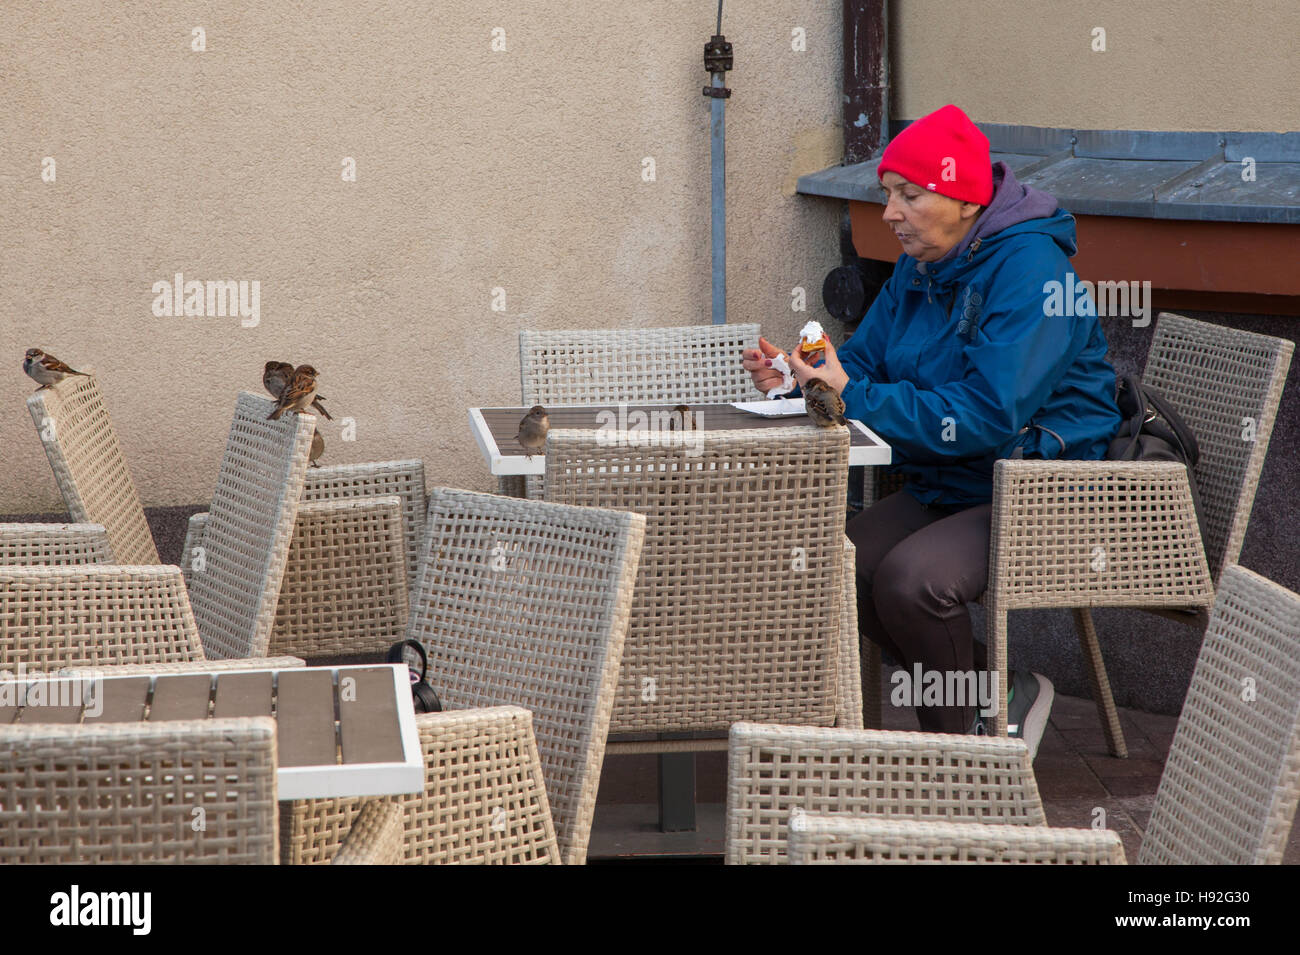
[44,702]
[181,697]
[243,694]
[11,695]
[368,724]
[123,700]
[306,734]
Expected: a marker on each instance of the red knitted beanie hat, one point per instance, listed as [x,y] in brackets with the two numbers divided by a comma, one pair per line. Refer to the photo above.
[943,152]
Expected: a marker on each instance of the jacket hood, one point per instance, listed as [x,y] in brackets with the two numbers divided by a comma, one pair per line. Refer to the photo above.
[1013,204]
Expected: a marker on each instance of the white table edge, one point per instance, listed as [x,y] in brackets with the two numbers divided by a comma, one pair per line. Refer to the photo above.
[503,465]
[303,782]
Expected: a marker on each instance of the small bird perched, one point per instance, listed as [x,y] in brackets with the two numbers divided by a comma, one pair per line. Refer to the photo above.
[298,394]
[532,430]
[276,375]
[45,369]
[824,406]
[681,419]
[317,448]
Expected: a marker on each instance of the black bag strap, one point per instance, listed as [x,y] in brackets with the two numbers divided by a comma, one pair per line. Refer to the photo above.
[1131,401]
[422,695]
[1176,424]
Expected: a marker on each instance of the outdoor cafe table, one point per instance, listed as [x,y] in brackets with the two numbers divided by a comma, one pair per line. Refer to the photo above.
[495,430]
[340,731]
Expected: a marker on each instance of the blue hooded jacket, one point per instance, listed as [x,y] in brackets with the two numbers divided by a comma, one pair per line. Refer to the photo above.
[958,362]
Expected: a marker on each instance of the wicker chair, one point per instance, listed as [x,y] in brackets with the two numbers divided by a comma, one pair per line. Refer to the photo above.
[91,472]
[1228,794]
[840,840]
[234,582]
[54,544]
[741,602]
[128,793]
[694,364]
[98,615]
[343,591]
[1082,534]
[403,479]
[775,773]
[520,604]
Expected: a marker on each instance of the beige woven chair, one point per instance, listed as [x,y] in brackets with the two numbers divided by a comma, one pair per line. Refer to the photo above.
[741,609]
[1083,534]
[234,583]
[840,840]
[1228,794]
[403,479]
[484,798]
[55,544]
[97,615]
[91,472]
[93,615]
[775,773]
[695,364]
[520,604]
[128,793]
[255,502]
[343,591]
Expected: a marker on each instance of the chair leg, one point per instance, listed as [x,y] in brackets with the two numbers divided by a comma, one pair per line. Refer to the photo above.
[871,701]
[1101,694]
[511,485]
[676,792]
[996,635]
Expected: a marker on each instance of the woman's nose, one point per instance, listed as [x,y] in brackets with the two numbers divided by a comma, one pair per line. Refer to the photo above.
[891,213]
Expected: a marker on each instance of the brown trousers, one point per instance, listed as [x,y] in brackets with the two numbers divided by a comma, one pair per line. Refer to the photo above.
[918,567]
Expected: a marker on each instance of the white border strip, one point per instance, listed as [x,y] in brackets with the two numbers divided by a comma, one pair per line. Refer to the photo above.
[500,464]
[314,782]
[882,454]
[516,464]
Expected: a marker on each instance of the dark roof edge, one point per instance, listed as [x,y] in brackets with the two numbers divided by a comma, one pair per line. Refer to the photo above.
[1134,143]
[1133,179]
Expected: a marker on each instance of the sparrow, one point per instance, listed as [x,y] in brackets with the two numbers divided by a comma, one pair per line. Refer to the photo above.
[276,375]
[823,405]
[681,419]
[298,395]
[532,431]
[45,369]
[317,448]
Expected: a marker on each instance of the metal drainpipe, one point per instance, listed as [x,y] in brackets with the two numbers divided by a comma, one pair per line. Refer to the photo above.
[717,60]
[866,78]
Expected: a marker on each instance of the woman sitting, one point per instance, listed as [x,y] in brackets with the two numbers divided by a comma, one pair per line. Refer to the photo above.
[959,362]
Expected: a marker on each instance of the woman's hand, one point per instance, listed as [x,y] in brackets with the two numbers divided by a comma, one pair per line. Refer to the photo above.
[758,362]
[830,371]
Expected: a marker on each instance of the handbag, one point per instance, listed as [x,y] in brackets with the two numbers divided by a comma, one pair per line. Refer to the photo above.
[422,695]
[1153,431]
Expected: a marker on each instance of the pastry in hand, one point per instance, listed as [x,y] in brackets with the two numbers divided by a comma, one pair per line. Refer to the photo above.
[812,342]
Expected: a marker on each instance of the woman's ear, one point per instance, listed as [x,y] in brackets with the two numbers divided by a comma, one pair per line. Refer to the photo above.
[970,210]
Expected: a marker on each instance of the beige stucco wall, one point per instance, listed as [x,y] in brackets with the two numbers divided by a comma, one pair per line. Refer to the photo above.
[1168,64]
[475,169]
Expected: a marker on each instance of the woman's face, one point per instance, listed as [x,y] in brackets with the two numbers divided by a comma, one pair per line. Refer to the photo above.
[926,223]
